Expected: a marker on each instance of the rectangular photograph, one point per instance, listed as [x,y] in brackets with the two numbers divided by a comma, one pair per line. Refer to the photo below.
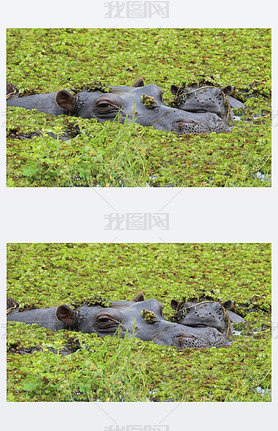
[135,107]
[136,322]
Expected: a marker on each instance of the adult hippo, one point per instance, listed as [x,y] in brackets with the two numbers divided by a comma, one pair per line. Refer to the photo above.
[206,98]
[206,314]
[140,103]
[142,318]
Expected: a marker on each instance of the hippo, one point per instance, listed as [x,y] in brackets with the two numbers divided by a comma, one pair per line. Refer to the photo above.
[206,314]
[140,103]
[141,318]
[206,98]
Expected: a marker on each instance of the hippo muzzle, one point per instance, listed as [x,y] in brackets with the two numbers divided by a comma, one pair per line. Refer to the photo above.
[185,337]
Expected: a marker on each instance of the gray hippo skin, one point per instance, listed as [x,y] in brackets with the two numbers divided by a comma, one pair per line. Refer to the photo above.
[206,314]
[140,103]
[142,318]
[206,99]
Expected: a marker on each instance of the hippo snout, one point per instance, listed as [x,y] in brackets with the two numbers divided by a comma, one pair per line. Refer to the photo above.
[185,341]
[186,126]
[199,338]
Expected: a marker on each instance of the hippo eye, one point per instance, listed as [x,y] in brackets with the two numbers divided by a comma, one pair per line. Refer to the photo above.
[104,105]
[106,320]
[103,319]
[107,106]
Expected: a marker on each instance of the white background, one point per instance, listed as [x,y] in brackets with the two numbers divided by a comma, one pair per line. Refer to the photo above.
[196,215]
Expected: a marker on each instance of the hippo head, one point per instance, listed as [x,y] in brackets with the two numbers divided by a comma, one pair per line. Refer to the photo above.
[118,102]
[98,319]
[204,314]
[119,317]
[204,99]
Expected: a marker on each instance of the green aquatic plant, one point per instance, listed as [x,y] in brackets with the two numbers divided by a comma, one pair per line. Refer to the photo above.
[92,301]
[93,86]
[148,316]
[148,101]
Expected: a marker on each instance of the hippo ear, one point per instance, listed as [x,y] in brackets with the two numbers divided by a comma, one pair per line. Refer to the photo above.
[174,89]
[139,83]
[66,315]
[138,298]
[228,305]
[174,304]
[66,100]
[234,103]
[228,90]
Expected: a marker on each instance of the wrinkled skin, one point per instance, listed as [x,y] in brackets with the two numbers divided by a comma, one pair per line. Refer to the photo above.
[206,99]
[206,314]
[124,103]
[124,317]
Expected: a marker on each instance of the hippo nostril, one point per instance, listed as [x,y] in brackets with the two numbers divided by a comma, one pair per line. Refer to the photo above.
[180,338]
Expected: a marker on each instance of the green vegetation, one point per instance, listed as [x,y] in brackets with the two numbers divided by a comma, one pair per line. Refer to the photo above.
[115,155]
[114,369]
